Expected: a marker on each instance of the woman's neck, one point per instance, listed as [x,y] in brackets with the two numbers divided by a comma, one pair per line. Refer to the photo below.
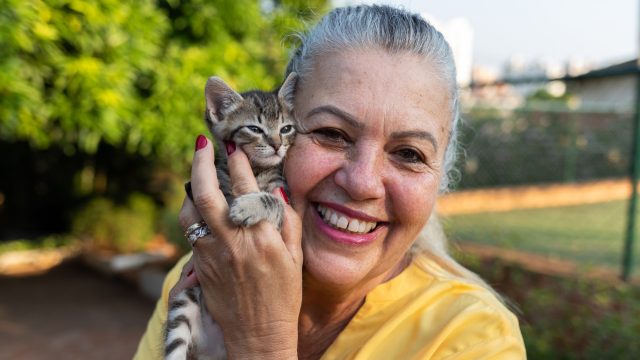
[322,319]
[326,312]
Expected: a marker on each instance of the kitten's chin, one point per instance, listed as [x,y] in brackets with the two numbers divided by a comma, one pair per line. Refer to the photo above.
[265,162]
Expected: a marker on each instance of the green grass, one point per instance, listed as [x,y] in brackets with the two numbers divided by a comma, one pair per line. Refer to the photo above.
[587,234]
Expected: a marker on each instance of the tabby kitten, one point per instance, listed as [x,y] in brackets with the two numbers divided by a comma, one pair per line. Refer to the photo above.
[262,125]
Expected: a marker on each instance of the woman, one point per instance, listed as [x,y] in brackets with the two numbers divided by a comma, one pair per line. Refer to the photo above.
[378,104]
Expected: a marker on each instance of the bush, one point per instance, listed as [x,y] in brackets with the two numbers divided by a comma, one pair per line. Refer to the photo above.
[526,147]
[569,318]
[122,228]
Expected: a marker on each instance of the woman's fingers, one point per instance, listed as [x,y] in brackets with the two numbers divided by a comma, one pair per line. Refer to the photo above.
[291,229]
[187,279]
[189,215]
[242,179]
[207,197]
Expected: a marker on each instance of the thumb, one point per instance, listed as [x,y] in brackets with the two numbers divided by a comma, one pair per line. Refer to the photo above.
[188,279]
[291,228]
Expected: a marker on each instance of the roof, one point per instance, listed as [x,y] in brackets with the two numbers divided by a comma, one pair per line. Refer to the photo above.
[625,68]
[621,69]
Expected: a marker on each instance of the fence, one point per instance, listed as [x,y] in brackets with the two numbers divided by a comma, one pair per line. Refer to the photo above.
[549,182]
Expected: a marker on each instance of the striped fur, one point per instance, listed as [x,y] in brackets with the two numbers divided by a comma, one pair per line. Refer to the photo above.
[262,125]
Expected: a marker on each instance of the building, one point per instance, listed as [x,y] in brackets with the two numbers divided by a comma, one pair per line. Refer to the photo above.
[608,89]
[459,34]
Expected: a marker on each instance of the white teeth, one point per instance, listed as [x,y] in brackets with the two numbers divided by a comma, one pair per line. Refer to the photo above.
[334,219]
[354,226]
[341,221]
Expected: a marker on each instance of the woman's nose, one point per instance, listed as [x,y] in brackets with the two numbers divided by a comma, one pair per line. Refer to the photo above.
[362,173]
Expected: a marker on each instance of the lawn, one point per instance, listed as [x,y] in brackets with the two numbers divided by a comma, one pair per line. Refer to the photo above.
[587,234]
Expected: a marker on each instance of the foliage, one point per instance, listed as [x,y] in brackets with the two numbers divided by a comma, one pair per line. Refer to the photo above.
[44,243]
[569,318]
[542,95]
[531,146]
[70,69]
[131,74]
[96,96]
[122,228]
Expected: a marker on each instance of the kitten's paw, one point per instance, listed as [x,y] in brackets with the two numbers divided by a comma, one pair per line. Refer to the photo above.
[250,209]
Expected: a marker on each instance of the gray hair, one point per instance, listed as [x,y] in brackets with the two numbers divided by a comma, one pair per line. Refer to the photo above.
[396,31]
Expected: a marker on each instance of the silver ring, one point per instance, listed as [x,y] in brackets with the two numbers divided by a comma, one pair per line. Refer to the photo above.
[196,231]
[193,227]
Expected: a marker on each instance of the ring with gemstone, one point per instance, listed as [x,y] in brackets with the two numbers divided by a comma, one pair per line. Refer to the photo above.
[196,231]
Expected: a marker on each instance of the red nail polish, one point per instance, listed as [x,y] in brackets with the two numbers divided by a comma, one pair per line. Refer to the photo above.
[201,142]
[284,195]
[231,147]
[190,272]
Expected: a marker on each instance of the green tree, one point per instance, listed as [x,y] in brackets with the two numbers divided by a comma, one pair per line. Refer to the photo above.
[68,69]
[76,73]
[103,93]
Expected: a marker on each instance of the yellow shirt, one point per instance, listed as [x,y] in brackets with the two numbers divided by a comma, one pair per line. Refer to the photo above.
[423,313]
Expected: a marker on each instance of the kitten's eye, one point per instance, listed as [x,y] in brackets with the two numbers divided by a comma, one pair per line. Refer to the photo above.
[255,129]
[410,156]
[286,129]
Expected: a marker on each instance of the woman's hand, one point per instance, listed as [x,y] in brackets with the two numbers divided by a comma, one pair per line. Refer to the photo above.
[187,279]
[251,277]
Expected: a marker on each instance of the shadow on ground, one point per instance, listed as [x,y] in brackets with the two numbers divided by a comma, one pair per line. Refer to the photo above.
[71,312]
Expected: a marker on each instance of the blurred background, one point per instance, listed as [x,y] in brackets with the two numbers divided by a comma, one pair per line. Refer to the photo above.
[101,101]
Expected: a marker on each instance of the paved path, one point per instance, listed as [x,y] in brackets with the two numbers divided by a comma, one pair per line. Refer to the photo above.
[70,312]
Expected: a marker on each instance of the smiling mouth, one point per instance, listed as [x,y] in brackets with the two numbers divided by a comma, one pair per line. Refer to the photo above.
[343,222]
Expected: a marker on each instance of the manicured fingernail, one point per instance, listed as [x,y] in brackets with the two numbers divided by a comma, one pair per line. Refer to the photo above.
[284,195]
[231,147]
[201,142]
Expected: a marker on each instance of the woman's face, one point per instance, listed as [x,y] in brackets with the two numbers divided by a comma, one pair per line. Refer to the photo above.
[377,127]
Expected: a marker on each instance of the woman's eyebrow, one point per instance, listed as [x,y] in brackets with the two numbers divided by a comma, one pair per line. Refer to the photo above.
[425,135]
[348,118]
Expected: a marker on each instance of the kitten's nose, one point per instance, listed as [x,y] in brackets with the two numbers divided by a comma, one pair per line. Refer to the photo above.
[275,143]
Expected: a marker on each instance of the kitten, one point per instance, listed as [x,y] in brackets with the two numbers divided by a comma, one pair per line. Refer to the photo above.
[263,126]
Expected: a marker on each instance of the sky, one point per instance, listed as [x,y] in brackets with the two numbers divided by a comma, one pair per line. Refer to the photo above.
[597,31]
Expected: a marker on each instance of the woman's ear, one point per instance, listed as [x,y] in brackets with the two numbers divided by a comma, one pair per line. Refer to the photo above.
[221,100]
[287,91]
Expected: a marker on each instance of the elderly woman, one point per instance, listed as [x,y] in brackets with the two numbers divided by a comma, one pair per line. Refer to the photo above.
[378,103]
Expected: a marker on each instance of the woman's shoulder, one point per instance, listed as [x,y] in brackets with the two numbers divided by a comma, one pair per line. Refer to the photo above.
[474,316]
[442,288]
[428,313]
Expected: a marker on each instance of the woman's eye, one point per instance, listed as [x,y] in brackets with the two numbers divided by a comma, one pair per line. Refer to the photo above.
[332,135]
[286,129]
[410,155]
[255,129]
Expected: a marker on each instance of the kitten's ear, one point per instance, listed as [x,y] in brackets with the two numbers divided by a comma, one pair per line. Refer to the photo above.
[221,99]
[287,91]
